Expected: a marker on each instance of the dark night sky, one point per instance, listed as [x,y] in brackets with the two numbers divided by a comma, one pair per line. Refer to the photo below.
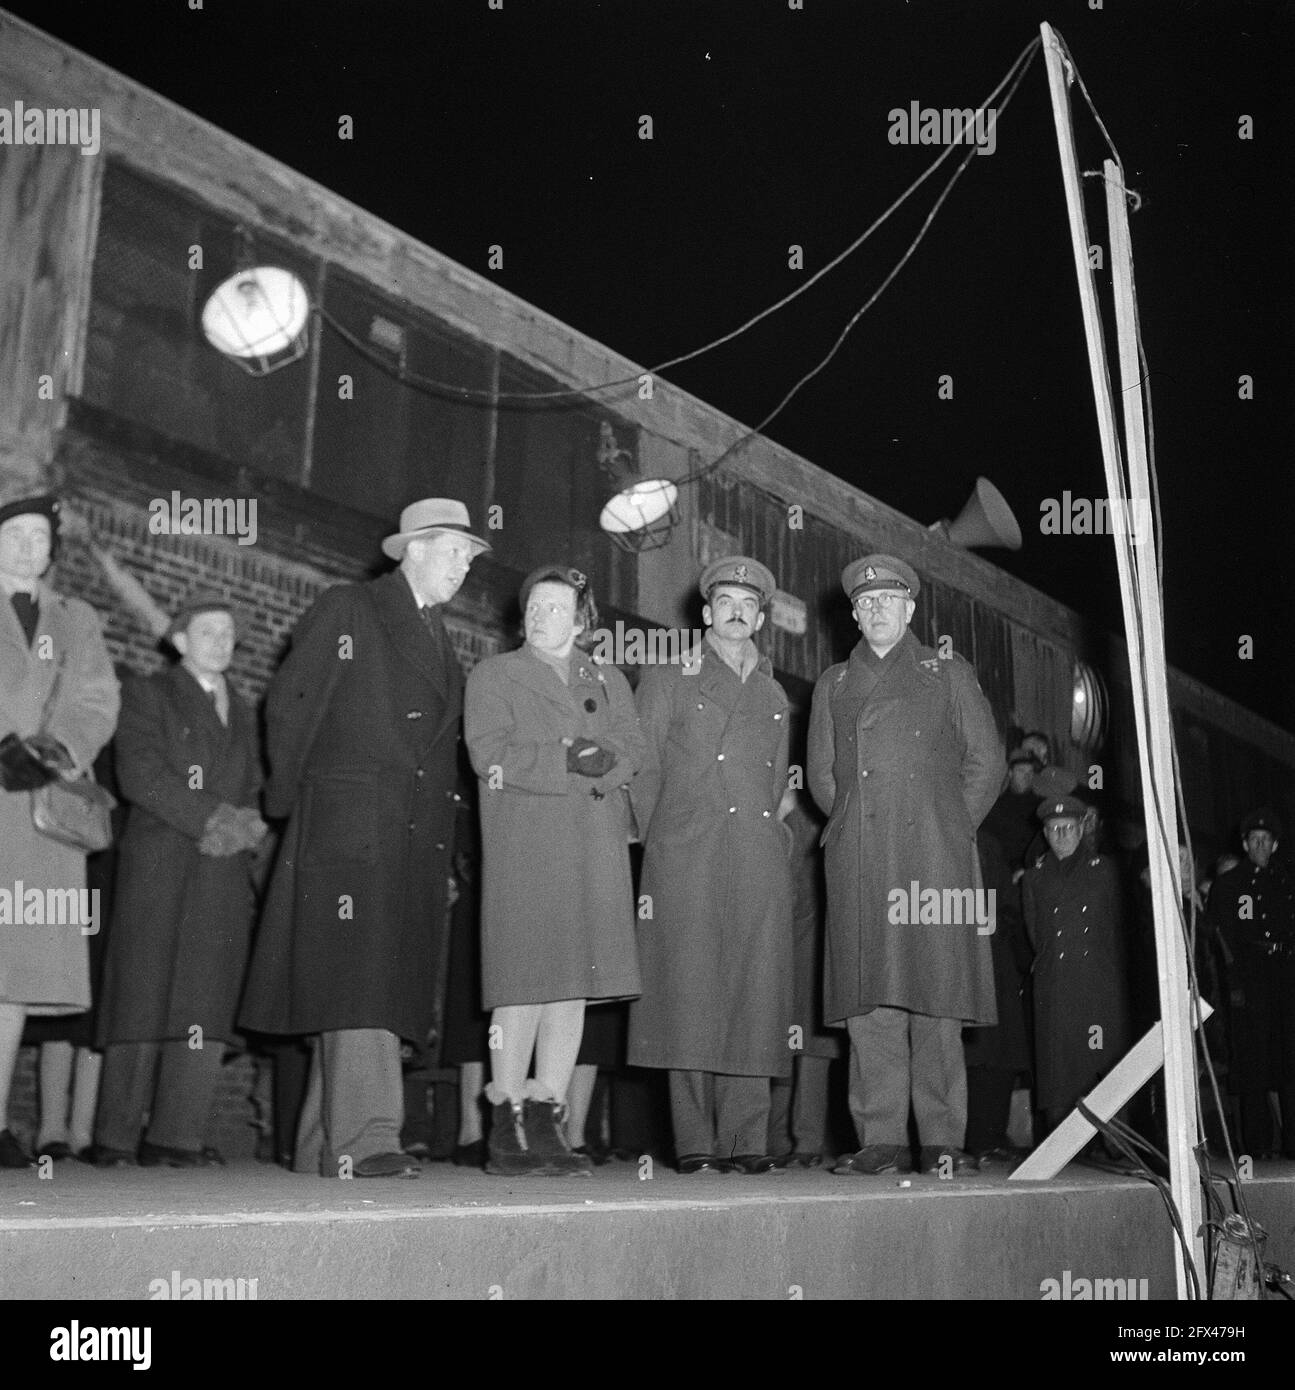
[520,127]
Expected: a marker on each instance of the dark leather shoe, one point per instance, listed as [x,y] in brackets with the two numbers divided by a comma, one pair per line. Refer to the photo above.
[754,1164]
[12,1153]
[874,1159]
[801,1160]
[159,1155]
[392,1165]
[104,1157]
[704,1163]
[940,1159]
[469,1155]
[58,1149]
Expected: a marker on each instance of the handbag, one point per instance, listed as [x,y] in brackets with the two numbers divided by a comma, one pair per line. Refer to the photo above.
[76,811]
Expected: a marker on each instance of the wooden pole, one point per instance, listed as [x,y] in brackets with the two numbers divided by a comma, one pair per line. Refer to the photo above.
[1177,1035]
[1154,737]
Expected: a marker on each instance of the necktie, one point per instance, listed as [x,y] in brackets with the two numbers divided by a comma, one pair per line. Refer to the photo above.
[222,713]
[28,612]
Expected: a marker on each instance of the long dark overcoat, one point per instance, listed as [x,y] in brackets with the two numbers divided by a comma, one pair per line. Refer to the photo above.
[717,949]
[557,902]
[182,921]
[905,759]
[1253,911]
[362,724]
[46,967]
[1074,916]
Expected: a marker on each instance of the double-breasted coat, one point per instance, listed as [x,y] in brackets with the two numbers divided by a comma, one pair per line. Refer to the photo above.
[46,967]
[182,921]
[557,902]
[362,723]
[1253,911]
[717,948]
[1082,1027]
[905,760]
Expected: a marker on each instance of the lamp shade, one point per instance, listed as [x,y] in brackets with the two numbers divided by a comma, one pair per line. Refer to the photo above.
[641,516]
[258,318]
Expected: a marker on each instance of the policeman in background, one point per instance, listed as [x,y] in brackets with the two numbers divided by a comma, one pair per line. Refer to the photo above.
[1252,907]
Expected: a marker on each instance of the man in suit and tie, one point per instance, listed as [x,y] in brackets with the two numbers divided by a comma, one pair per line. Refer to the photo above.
[363,723]
[189,765]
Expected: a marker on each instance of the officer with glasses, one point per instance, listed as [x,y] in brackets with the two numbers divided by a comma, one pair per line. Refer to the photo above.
[905,760]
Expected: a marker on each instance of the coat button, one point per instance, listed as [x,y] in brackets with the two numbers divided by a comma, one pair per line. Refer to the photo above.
[413,825]
[768,762]
[719,757]
[864,773]
[767,814]
[701,706]
[440,846]
[777,716]
[420,773]
[731,810]
[414,714]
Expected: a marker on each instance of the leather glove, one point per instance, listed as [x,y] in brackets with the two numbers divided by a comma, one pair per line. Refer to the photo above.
[589,759]
[22,770]
[52,753]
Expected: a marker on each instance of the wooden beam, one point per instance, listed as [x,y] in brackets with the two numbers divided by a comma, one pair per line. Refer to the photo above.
[1111,1094]
[1141,644]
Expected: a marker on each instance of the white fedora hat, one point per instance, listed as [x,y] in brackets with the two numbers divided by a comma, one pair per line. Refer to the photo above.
[429,517]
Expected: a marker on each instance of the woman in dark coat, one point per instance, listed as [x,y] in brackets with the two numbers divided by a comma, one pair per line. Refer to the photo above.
[554,740]
[188,763]
[1073,915]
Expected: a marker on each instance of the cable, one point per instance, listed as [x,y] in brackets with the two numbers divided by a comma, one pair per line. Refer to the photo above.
[470,394]
[709,468]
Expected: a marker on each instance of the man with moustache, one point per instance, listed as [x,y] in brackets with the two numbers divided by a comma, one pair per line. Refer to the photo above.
[905,760]
[715,928]
[363,725]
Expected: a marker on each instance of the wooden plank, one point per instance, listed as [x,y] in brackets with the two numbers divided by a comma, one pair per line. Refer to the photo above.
[1105,1100]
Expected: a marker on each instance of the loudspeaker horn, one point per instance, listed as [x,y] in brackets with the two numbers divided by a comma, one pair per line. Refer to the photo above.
[986,521]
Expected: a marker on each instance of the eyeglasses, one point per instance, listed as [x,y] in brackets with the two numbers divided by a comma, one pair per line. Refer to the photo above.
[882,603]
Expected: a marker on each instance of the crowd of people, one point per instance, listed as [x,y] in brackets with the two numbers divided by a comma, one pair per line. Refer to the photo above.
[565,882]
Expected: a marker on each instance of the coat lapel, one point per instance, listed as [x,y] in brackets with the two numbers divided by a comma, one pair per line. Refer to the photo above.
[535,675]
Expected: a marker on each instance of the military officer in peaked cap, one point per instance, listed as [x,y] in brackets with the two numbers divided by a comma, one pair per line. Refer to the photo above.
[1252,906]
[1073,904]
[905,760]
[716,949]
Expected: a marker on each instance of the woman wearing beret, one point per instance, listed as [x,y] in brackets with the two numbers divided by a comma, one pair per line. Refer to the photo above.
[554,740]
[58,698]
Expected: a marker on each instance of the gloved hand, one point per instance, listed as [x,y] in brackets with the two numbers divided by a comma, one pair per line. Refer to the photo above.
[48,750]
[230,830]
[589,759]
[21,770]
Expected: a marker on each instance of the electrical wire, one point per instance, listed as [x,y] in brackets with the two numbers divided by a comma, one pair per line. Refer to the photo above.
[484,397]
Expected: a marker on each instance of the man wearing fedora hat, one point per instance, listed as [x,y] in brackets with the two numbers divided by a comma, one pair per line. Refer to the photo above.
[183,909]
[363,726]
[716,952]
[905,760]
